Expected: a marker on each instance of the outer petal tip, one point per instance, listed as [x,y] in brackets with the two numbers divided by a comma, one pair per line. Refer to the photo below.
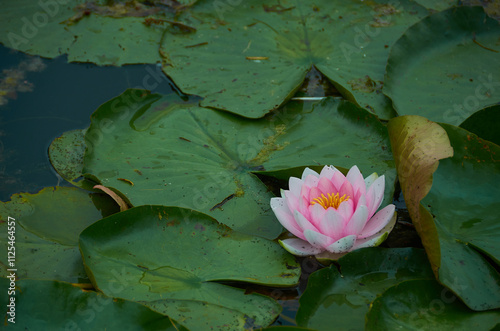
[299,247]
[277,203]
[381,221]
[343,245]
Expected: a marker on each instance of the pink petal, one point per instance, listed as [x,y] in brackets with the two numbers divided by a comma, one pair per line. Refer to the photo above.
[314,193]
[327,172]
[304,192]
[299,247]
[358,195]
[332,224]
[346,189]
[326,186]
[377,187]
[370,179]
[309,172]
[346,209]
[361,202]
[303,222]
[317,239]
[285,217]
[304,207]
[337,180]
[356,179]
[295,185]
[380,221]
[378,237]
[316,215]
[357,222]
[342,245]
[370,198]
[370,241]
[291,200]
[311,180]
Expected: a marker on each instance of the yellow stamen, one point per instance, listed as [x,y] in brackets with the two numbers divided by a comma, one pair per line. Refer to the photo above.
[333,200]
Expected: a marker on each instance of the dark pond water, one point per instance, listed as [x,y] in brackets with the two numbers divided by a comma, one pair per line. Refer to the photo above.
[62,98]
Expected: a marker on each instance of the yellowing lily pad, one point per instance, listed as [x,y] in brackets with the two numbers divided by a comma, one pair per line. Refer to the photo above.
[456,218]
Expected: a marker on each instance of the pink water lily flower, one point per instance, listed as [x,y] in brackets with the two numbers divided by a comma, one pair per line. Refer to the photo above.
[332,214]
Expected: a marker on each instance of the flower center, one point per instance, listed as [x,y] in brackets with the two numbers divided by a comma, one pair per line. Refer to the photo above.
[333,200]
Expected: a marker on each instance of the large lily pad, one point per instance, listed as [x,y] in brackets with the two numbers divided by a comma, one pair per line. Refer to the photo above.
[342,298]
[425,305]
[426,74]
[252,57]
[46,233]
[172,259]
[457,219]
[51,305]
[165,151]
[52,28]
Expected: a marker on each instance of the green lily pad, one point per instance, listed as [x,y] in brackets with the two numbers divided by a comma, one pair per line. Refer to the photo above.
[485,124]
[426,74]
[342,298]
[52,28]
[456,217]
[51,305]
[161,150]
[47,226]
[172,260]
[251,58]
[425,305]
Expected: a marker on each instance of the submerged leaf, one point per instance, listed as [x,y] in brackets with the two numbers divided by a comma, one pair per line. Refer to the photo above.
[66,156]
